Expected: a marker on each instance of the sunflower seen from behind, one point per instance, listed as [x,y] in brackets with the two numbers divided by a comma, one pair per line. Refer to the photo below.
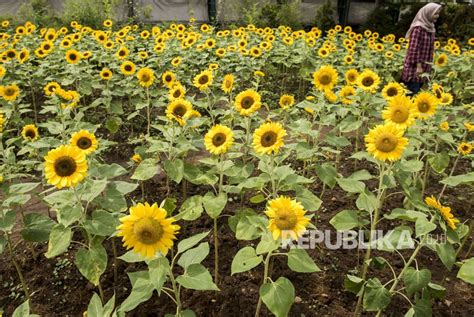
[84,141]
[286,218]
[30,133]
[147,230]
[218,139]
[247,102]
[400,111]
[268,138]
[386,142]
[65,166]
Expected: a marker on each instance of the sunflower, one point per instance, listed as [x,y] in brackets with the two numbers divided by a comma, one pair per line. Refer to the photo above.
[391,90]
[3,71]
[345,93]
[386,142]
[258,73]
[147,230]
[168,78]
[227,83]
[446,99]
[348,59]
[219,139]
[465,148]
[286,218]
[9,93]
[65,166]
[425,104]
[177,92]
[51,87]
[23,55]
[128,68]
[268,138]
[73,56]
[84,141]
[247,102]
[146,76]
[176,61]
[30,132]
[444,126]
[286,101]
[136,158]
[368,81]
[469,127]
[325,78]
[203,80]
[441,60]
[106,74]
[351,76]
[400,112]
[2,121]
[445,211]
[122,53]
[179,110]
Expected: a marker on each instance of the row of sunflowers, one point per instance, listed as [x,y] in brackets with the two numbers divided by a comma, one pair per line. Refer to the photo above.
[258,123]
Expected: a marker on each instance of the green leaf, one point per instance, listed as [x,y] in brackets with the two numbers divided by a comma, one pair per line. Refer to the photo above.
[194,256]
[423,226]
[245,259]
[132,257]
[367,201]
[142,290]
[466,272]
[446,253]
[436,290]
[422,308]
[278,296]
[214,205]
[267,244]
[59,240]
[103,223]
[92,262]
[191,242]
[95,309]
[353,283]
[439,162]
[300,261]
[257,199]
[376,296]
[174,169]
[169,204]
[361,175]
[458,179]
[351,185]
[345,220]
[110,170]
[24,310]
[146,169]
[397,239]
[310,201]
[67,215]
[415,279]
[92,189]
[158,270]
[37,227]
[327,173]
[113,124]
[402,214]
[191,209]
[197,277]
[411,166]
[7,221]
[22,188]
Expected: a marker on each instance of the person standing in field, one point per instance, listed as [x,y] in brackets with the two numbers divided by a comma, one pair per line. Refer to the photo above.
[421,46]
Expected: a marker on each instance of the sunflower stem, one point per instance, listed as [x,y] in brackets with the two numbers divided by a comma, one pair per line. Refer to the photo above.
[450,174]
[175,291]
[265,277]
[148,111]
[17,266]
[115,263]
[216,253]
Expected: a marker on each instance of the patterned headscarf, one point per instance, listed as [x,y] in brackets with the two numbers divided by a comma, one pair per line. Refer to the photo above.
[424,18]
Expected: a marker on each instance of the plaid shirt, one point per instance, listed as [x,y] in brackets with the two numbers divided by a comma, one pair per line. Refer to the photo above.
[420,50]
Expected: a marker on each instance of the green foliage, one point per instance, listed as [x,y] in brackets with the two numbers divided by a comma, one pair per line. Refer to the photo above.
[39,12]
[266,13]
[88,12]
[324,18]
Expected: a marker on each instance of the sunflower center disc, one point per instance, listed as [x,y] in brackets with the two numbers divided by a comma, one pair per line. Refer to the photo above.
[367,81]
[72,57]
[218,139]
[400,115]
[84,143]
[128,68]
[286,220]
[145,77]
[9,92]
[269,138]
[392,92]
[203,80]
[424,107]
[176,94]
[30,134]
[386,143]
[168,78]
[65,166]
[147,230]
[179,111]
[325,79]
[247,102]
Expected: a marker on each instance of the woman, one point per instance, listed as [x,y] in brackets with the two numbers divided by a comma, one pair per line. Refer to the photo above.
[420,50]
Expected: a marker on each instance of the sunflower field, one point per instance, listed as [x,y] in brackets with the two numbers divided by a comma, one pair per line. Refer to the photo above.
[185,170]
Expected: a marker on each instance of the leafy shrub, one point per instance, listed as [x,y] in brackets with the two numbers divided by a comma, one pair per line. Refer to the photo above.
[325,16]
[87,12]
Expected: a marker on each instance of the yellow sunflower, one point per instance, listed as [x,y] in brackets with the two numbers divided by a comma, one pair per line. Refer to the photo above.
[287,218]
[177,92]
[219,139]
[203,80]
[128,68]
[345,94]
[445,211]
[136,158]
[51,87]
[441,60]
[73,56]
[469,127]
[400,112]
[147,230]
[179,110]
[65,166]
[247,102]
[9,93]
[444,126]
[227,83]
[176,61]
[106,74]
[465,148]
[85,141]
[2,121]
[146,76]
[386,142]
[351,76]
[168,78]
[325,78]
[392,89]
[368,81]
[446,99]
[3,71]
[30,132]
[122,53]
[425,105]
[286,101]
[268,138]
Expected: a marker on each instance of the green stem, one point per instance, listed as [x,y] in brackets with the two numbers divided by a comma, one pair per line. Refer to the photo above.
[114,251]
[176,292]
[450,174]
[265,277]
[148,111]
[17,266]
[216,253]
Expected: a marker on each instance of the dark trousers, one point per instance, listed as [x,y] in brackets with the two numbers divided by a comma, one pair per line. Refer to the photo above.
[414,87]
